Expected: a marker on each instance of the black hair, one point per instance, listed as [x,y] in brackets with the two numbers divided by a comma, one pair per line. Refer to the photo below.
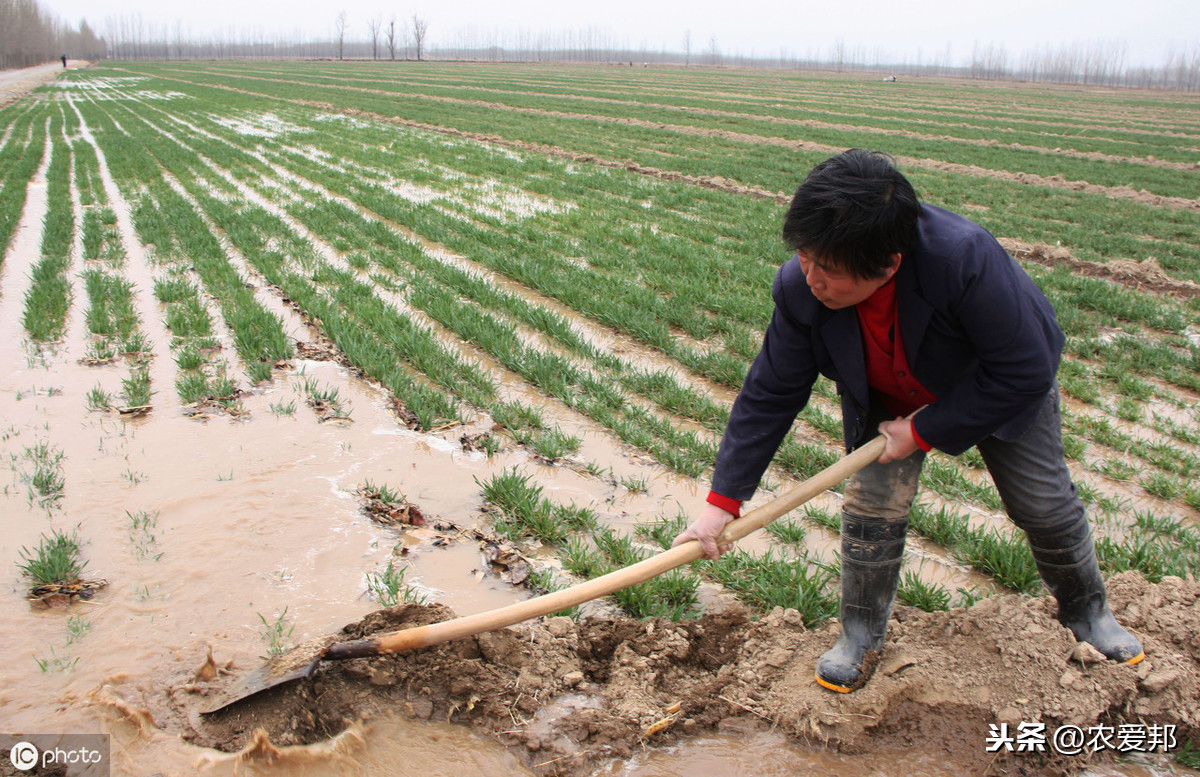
[854,211]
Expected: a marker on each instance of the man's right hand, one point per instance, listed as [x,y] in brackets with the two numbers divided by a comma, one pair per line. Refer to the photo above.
[707,528]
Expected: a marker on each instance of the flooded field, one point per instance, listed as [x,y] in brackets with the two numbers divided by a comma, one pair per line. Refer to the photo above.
[272,364]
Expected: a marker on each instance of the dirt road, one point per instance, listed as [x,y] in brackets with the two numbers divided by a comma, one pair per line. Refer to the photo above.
[17,83]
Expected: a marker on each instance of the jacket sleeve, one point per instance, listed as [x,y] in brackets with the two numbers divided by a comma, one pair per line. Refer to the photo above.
[1011,328]
[775,390]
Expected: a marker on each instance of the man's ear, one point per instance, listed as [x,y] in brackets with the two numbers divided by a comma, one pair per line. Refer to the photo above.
[895,264]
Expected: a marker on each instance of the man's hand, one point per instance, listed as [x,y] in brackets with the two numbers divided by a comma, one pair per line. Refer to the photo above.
[900,442]
[707,528]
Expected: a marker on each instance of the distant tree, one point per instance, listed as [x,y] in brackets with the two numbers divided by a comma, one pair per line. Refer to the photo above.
[339,32]
[714,53]
[374,26]
[687,48]
[391,39]
[420,28]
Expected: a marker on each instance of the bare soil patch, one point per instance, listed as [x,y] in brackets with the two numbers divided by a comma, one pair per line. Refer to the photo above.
[1146,275]
[566,696]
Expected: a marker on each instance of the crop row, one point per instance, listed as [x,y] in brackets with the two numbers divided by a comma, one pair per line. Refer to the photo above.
[1093,226]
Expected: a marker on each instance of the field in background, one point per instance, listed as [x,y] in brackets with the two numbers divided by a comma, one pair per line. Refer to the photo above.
[526,259]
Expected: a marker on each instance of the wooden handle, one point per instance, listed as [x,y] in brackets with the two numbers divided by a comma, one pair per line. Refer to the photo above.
[437,633]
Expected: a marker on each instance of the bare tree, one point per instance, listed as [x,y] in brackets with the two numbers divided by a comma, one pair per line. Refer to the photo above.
[374,26]
[339,32]
[420,28]
[687,48]
[391,39]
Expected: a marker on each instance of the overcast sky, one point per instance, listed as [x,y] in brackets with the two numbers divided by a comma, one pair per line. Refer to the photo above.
[901,28]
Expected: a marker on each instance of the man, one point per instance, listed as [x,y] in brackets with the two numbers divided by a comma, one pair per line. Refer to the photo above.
[936,338]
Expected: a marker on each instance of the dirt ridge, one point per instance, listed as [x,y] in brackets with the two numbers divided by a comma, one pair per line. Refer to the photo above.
[568,696]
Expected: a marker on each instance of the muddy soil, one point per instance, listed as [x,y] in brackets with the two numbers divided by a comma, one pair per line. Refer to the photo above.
[567,696]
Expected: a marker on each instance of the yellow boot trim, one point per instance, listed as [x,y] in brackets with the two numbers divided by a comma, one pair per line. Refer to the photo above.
[843,689]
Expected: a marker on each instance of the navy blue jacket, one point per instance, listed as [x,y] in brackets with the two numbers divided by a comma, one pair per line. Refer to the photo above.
[977,331]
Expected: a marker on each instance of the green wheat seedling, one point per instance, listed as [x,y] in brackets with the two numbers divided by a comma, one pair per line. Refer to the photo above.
[491,444]
[135,390]
[55,561]
[772,580]
[382,492]
[282,408]
[672,595]
[46,482]
[192,387]
[1149,556]
[141,533]
[99,400]
[788,532]
[552,444]
[325,400]
[636,484]
[916,592]
[542,581]
[389,587]
[520,509]
[663,531]
[1162,485]
[55,662]
[276,632]
[823,518]
[1006,558]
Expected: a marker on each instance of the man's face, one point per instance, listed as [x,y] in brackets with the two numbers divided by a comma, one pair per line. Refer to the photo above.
[836,288]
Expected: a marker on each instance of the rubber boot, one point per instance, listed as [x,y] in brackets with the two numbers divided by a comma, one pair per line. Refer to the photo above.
[872,550]
[1067,563]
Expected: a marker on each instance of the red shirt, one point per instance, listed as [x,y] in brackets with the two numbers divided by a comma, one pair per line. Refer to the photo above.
[888,373]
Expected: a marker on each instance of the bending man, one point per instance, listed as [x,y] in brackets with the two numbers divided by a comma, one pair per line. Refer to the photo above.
[936,338]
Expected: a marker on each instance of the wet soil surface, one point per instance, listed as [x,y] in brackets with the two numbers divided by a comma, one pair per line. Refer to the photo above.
[567,696]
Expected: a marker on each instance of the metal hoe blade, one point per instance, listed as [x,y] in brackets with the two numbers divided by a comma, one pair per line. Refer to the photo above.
[299,662]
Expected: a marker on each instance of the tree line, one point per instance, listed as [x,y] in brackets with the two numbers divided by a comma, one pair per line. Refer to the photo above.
[31,36]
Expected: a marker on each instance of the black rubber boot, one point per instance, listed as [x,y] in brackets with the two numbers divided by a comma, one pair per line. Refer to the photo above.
[872,550]
[1067,563]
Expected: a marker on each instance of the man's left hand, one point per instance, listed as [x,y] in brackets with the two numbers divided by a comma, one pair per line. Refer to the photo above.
[900,442]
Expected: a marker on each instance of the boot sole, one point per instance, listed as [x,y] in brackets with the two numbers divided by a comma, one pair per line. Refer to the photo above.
[1135,659]
[839,688]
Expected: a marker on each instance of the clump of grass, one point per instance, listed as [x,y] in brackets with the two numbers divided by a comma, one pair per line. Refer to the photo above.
[636,485]
[672,595]
[1006,558]
[389,587]
[915,592]
[772,580]
[276,632]
[521,510]
[55,561]
[325,400]
[831,521]
[281,409]
[1162,485]
[788,532]
[662,532]
[549,444]
[46,481]
[135,390]
[99,399]
[141,534]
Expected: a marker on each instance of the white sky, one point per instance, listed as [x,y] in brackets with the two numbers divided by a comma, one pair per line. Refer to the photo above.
[904,29]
